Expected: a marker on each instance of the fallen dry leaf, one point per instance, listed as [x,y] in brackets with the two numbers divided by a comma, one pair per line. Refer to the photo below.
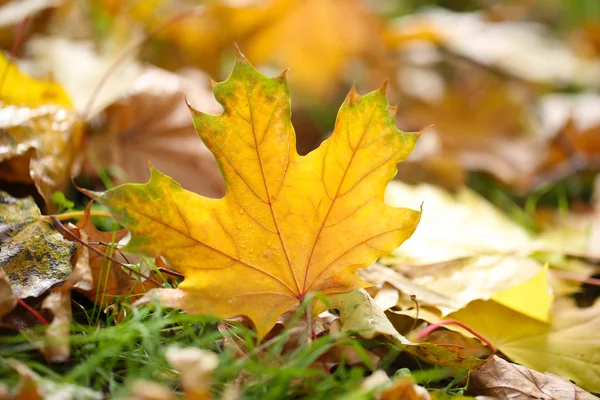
[498,139]
[404,388]
[463,250]
[454,226]
[8,300]
[57,335]
[521,48]
[20,88]
[13,12]
[500,378]
[567,347]
[152,123]
[358,313]
[34,256]
[445,303]
[79,68]
[288,224]
[82,276]
[571,151]
[40,133]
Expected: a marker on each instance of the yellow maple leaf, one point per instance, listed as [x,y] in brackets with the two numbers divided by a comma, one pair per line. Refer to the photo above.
[288,224]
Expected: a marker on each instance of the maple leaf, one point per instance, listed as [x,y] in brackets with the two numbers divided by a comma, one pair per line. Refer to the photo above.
[288,224]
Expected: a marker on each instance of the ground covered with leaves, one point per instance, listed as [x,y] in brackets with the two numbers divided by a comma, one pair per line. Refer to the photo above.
[277,248]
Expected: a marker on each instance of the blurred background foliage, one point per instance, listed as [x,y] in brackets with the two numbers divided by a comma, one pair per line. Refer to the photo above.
[507,91]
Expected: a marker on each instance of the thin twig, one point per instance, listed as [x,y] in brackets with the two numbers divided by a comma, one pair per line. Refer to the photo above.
[78,214]
[413,298]
[576,278]
[74,237]
[113,245]
[427,331]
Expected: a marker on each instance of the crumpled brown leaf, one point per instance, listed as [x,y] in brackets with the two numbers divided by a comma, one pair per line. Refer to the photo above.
[40,133]
[153,123]
[38,146]
[498,377]
[570,151]
[497,139]
[8,300]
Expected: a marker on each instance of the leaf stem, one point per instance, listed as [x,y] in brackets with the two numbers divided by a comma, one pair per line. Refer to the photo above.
[76,215]
[60,227]
[198,10]
[569,276]
[427,331]
[36,314]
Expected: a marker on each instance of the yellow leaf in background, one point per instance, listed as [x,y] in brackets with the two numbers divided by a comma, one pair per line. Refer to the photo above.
[464,249]
[314,38]
[339,30]
[20,89]
[532,298]
[288,224]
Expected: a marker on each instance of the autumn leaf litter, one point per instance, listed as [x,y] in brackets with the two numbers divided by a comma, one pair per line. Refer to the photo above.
[302,276]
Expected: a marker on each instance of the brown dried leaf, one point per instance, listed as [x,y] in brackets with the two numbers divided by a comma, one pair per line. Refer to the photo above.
[496,139]
[572,150]
[39,145]
[8,300]
[153,124]
[57,343]
[498,377]
[81,277]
